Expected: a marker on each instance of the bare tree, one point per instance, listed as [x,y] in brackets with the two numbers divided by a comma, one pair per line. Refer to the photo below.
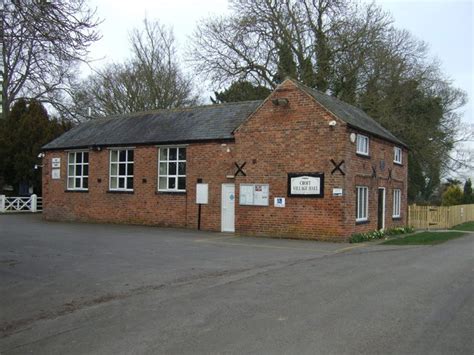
[43,42]
[350,50]
[150,79]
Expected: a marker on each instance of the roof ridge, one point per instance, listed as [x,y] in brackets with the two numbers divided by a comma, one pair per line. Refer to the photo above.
[174,109]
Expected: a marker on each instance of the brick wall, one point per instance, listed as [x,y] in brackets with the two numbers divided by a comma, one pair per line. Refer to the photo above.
[275,141]
[387,175]
[297,138]
[208,161]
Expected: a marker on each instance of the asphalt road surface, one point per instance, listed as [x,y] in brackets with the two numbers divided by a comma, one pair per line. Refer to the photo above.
[68,288]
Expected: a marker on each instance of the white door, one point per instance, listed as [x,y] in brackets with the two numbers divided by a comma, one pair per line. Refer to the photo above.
[227,214]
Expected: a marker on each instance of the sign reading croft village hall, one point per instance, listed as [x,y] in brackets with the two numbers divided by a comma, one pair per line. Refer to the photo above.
[306,185]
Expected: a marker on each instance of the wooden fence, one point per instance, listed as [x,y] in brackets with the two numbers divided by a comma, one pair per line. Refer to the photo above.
[439,217]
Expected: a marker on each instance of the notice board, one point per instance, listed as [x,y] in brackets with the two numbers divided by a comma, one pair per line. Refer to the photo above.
[254,194]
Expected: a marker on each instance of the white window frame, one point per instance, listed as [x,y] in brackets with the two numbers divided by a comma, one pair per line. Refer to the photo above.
[362,144]
[397,202]
[117,175]
[72,165]
[362,205]
[397,155]
[166,162]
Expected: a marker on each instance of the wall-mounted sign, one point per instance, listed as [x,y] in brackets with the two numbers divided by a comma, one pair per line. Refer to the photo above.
[55,174]
[306,184]
[279,202]
[337,192]
[202,194]
[55,162]
[254,194]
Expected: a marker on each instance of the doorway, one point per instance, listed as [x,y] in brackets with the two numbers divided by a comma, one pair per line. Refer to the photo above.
[381,208]
[228,208]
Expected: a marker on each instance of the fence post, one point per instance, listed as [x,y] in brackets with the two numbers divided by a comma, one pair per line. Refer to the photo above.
[2,203]
[34,203]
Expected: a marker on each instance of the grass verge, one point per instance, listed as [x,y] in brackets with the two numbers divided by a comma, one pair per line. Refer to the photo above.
[468,226]
[425,238]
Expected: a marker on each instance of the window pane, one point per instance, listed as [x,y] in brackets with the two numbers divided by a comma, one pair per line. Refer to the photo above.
[359,204]
[86,157]
[70,183]
[182,154]
[70,170]
[173,154]
[181,168]
[130,169]
[130,183]
[113,156]
[113,169]
[171,183]
[78,182]
[366,202]
[122,169]
[130,155]
[113,183]
[162,183]
[163,169]
[182,183]
[172,168]
[121,183]
[78,170]
[163,154]
[78,157]
[85,183]
[85,170]
[122,155]
[71,158]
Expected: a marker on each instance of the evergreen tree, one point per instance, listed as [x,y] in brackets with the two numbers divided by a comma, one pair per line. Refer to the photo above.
[468,196]
[452,196]
[26,129]
[286,63]
[241,91]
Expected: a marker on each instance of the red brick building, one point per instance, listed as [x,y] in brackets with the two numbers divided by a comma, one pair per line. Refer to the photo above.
[299,164]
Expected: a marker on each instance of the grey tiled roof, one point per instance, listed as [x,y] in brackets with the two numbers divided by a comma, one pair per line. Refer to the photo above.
[211,122]
[352,115]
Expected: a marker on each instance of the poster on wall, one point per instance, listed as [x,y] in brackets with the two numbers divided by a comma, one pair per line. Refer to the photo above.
[306,184]
[202,193]
[254,194]
[56,174]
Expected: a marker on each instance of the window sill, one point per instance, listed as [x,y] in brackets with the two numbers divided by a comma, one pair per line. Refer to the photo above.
[170,192]
[396,218]
[366,221]
[397,163]
[120,192]
[365,156]
[75,191]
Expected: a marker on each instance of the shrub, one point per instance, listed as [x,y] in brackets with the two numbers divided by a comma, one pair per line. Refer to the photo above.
[379,234]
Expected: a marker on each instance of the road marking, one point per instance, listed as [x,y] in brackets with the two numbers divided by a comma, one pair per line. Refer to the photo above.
[217,238]
[349,248]
[211,241]
[221,240]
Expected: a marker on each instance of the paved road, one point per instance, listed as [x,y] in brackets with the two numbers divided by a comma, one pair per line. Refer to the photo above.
[105,289]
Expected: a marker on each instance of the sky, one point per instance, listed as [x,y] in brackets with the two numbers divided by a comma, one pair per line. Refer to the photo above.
[446,25]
